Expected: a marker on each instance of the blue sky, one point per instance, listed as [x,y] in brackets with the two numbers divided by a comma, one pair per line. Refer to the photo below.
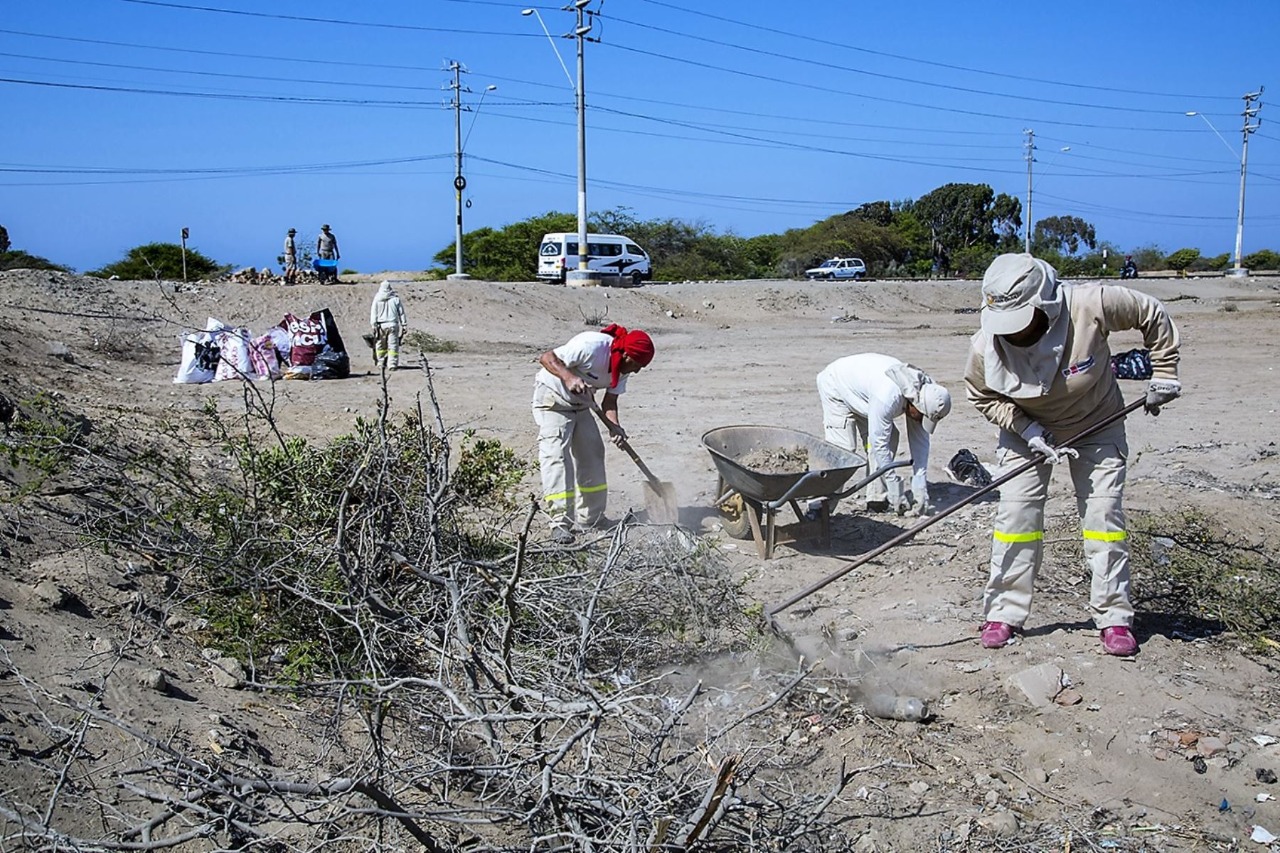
[126,120]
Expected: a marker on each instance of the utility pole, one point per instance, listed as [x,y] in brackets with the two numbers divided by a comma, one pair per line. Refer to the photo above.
[1249,112]
[1030,146]
[459,182]
[584,276]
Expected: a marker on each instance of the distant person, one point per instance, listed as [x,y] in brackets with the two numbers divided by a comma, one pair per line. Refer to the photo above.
[290,258]
[570,451]
[861,395]
[327,250]
[1130,269]
[387,317]
[1040,370]
[327,244]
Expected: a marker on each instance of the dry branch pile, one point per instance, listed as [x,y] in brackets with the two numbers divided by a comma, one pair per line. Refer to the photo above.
[469,688]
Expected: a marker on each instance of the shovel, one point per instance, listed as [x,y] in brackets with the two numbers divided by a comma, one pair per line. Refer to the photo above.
[659,496]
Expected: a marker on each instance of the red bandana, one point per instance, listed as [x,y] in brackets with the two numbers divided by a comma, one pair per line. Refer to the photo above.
[636,344]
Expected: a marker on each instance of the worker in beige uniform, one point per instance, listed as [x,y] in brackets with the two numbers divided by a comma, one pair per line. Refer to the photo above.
[1040,369]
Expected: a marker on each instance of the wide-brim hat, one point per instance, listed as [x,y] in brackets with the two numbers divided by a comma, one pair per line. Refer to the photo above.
[1011,292]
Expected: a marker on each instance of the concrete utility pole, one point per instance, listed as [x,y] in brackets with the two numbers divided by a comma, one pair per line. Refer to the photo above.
[459,182]
[1030,146]
[584,277]
[1249,112]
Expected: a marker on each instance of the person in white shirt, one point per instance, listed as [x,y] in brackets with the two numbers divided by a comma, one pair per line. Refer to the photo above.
[861,396]
[570,450]
[387,317]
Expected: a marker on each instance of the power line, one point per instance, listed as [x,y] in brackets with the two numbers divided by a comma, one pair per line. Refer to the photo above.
[929,62]
[897,79]
[316,20]
[895,101]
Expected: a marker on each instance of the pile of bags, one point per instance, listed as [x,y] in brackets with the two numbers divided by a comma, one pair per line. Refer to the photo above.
[307,347]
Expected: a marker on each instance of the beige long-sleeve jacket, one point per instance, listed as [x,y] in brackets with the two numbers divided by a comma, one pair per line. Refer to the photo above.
[1084,390]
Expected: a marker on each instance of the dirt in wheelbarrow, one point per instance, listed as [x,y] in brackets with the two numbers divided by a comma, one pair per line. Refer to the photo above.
[1165,752]
[777,460]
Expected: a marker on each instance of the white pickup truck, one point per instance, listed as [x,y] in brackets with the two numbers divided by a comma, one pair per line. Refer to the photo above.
[837,268]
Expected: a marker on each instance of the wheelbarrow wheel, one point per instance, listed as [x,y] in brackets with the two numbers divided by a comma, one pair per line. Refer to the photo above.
[734,518]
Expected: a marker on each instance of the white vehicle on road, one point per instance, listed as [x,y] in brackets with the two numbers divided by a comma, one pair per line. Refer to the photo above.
[852,268]
[611,254]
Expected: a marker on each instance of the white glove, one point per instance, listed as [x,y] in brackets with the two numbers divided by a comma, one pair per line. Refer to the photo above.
[1159,392]
[1042,442]
[896,493]
[920,504]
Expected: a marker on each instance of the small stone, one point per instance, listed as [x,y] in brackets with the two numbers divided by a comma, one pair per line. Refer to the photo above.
[175,621]
[228,673]
[992,798]
[154,679]
[1068,697]
[1210,746]
[104,646]
[1001,824]
[1265,776]
[1160,754]
[918,787]
[50,594]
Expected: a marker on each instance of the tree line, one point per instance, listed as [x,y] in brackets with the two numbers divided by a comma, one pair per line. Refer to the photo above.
[952,231]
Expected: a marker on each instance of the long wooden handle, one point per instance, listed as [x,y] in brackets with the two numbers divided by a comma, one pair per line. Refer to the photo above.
[624,444]
[934,519]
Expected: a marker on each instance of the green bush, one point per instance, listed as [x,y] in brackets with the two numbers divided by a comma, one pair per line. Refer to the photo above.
[419,341]
[1190,566]
[1263,260]
[160,261]
[1182,259]
[15,260]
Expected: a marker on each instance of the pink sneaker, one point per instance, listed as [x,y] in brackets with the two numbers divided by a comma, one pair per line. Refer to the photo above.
[996,635]
[1118,640]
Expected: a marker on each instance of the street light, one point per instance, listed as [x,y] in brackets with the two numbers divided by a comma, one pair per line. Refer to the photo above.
[1030,146]
[1249,112]
[582,276]
[475,114]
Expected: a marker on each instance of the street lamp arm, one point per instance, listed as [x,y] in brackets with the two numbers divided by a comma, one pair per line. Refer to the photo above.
[475,114]
[1234,155]
[534,12]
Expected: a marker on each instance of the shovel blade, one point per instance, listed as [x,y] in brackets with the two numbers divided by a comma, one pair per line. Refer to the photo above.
[660,502]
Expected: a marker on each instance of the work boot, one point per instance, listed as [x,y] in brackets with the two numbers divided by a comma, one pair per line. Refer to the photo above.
[878,506]
[996,635]
[1118,640]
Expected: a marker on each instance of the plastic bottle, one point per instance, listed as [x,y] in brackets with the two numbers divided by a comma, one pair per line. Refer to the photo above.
[887,706]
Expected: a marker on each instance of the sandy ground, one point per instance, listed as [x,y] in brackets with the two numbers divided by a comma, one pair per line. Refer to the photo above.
[747,353]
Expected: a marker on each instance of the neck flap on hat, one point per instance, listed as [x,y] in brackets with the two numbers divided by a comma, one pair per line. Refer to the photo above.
[1023,372]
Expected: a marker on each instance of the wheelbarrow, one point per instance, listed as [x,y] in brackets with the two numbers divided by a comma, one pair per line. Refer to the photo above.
[749,499]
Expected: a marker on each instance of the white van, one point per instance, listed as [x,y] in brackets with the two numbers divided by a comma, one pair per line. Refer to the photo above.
[611,254]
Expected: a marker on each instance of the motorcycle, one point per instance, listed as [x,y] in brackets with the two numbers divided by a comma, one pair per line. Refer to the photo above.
[1129,270]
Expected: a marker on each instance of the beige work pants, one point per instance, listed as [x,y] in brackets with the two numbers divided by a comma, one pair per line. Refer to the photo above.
[1018,543]
[844,427]
[571,455]
[386,345]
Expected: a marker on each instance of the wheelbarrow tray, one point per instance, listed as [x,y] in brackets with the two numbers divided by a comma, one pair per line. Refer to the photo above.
[830,466]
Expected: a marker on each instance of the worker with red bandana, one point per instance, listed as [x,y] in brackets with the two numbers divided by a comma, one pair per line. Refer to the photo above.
[570,450]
